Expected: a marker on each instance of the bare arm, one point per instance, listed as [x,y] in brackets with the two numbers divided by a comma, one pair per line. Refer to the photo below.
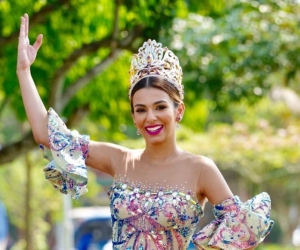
[100,154]
[214,186]
[35,109]
[212,183]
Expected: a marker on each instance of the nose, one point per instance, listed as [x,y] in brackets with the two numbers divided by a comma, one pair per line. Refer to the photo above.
[151,116]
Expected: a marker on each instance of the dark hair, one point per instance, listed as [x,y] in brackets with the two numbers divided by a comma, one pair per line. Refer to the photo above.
[158,83]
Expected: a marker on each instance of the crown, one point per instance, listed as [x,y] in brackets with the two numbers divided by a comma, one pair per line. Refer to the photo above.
[153,60]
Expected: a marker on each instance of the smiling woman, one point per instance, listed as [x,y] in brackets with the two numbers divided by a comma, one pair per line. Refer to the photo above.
[159,192]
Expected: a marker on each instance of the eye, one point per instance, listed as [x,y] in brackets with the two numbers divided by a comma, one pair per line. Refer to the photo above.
[161,107]
[140,110]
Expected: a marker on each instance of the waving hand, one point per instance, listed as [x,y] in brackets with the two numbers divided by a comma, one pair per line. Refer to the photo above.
[26,52]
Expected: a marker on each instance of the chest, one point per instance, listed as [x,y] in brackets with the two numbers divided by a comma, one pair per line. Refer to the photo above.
[178,175]
[163,209]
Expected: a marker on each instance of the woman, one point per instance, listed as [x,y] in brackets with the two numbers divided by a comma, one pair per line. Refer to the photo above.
[159,192]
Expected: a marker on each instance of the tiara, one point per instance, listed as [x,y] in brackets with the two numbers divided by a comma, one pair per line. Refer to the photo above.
[153,60]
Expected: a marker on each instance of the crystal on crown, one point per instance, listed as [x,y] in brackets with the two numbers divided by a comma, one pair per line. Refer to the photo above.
[153,60]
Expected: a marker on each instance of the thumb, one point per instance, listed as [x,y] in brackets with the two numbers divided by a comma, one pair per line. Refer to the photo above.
[38,42]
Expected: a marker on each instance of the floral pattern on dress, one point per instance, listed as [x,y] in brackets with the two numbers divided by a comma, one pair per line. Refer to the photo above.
[66,169]
[238,225]
[146,220]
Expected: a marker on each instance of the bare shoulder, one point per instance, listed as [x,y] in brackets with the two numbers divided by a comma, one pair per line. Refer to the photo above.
[107,157]
[207,167]
[211,183]
[200,161]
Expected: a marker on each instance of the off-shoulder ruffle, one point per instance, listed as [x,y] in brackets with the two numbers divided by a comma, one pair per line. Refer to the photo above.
[237,225]
[68,150]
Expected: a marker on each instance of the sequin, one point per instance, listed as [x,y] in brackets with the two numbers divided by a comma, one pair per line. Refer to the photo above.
[157,222]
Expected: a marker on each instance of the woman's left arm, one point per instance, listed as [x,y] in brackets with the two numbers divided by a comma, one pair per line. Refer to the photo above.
[212,184]
[237,225]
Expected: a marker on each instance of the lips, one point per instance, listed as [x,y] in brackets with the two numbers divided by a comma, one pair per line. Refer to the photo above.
[154,130]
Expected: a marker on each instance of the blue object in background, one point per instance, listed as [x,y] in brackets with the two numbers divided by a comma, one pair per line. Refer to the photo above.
[3,227]
[3,223]
[94,233]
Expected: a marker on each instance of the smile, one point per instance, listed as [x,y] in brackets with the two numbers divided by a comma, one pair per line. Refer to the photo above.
[154,130]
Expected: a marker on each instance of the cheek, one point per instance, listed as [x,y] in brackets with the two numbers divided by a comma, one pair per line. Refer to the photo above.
[169,118]
[138,120]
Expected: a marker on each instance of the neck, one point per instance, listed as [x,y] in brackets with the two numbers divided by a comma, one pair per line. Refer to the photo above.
[160,154]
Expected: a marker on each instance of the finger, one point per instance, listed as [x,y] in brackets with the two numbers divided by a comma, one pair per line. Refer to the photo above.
[22,28]
[26,24]
[38,42]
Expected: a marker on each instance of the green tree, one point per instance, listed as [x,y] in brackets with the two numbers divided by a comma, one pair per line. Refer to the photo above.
[250,47]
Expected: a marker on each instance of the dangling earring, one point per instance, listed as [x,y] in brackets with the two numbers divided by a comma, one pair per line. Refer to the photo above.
[178,120]
[138,132]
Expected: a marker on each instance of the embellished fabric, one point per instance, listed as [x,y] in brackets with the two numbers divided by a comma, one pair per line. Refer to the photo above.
[154,60]
[66,169]
[144,219]
[238,225]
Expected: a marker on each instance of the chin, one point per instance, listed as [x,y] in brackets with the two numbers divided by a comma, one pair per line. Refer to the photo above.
[154,140]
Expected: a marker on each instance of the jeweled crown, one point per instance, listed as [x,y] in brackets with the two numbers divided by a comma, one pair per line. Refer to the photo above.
[154,60]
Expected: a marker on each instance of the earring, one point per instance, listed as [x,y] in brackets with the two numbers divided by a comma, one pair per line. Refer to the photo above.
[178,119]
[138,132]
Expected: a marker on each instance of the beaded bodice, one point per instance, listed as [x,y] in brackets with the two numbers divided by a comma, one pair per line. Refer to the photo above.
[152,219]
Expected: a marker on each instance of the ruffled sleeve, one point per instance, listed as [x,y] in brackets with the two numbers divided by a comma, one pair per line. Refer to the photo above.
[66,169]
[237,225]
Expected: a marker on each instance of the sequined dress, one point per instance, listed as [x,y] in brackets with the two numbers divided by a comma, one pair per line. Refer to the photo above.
[155,218]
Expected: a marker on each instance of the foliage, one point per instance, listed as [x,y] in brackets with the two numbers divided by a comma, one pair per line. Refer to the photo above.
[13,194]
[240,54]
[277,247]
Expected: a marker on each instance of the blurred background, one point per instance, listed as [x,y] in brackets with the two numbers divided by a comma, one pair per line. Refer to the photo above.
[241,67]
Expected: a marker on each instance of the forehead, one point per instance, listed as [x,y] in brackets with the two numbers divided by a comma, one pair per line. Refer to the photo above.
[149,96]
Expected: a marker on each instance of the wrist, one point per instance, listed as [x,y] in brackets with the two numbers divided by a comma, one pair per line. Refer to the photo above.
[23,71]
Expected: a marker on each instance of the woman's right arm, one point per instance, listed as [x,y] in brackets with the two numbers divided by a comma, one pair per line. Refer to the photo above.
[34,107]
[100,155]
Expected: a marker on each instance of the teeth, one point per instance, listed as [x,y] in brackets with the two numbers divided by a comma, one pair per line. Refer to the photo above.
[154,128]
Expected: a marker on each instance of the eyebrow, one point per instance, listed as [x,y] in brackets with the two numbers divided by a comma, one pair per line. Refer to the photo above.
[155,103]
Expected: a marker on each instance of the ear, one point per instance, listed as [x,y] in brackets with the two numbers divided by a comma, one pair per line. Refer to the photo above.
[180,111]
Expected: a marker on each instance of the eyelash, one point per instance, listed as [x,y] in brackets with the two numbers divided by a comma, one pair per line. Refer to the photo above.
[161,107]
[140,110]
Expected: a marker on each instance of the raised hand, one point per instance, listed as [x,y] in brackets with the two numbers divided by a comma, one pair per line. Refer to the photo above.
[26,52]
